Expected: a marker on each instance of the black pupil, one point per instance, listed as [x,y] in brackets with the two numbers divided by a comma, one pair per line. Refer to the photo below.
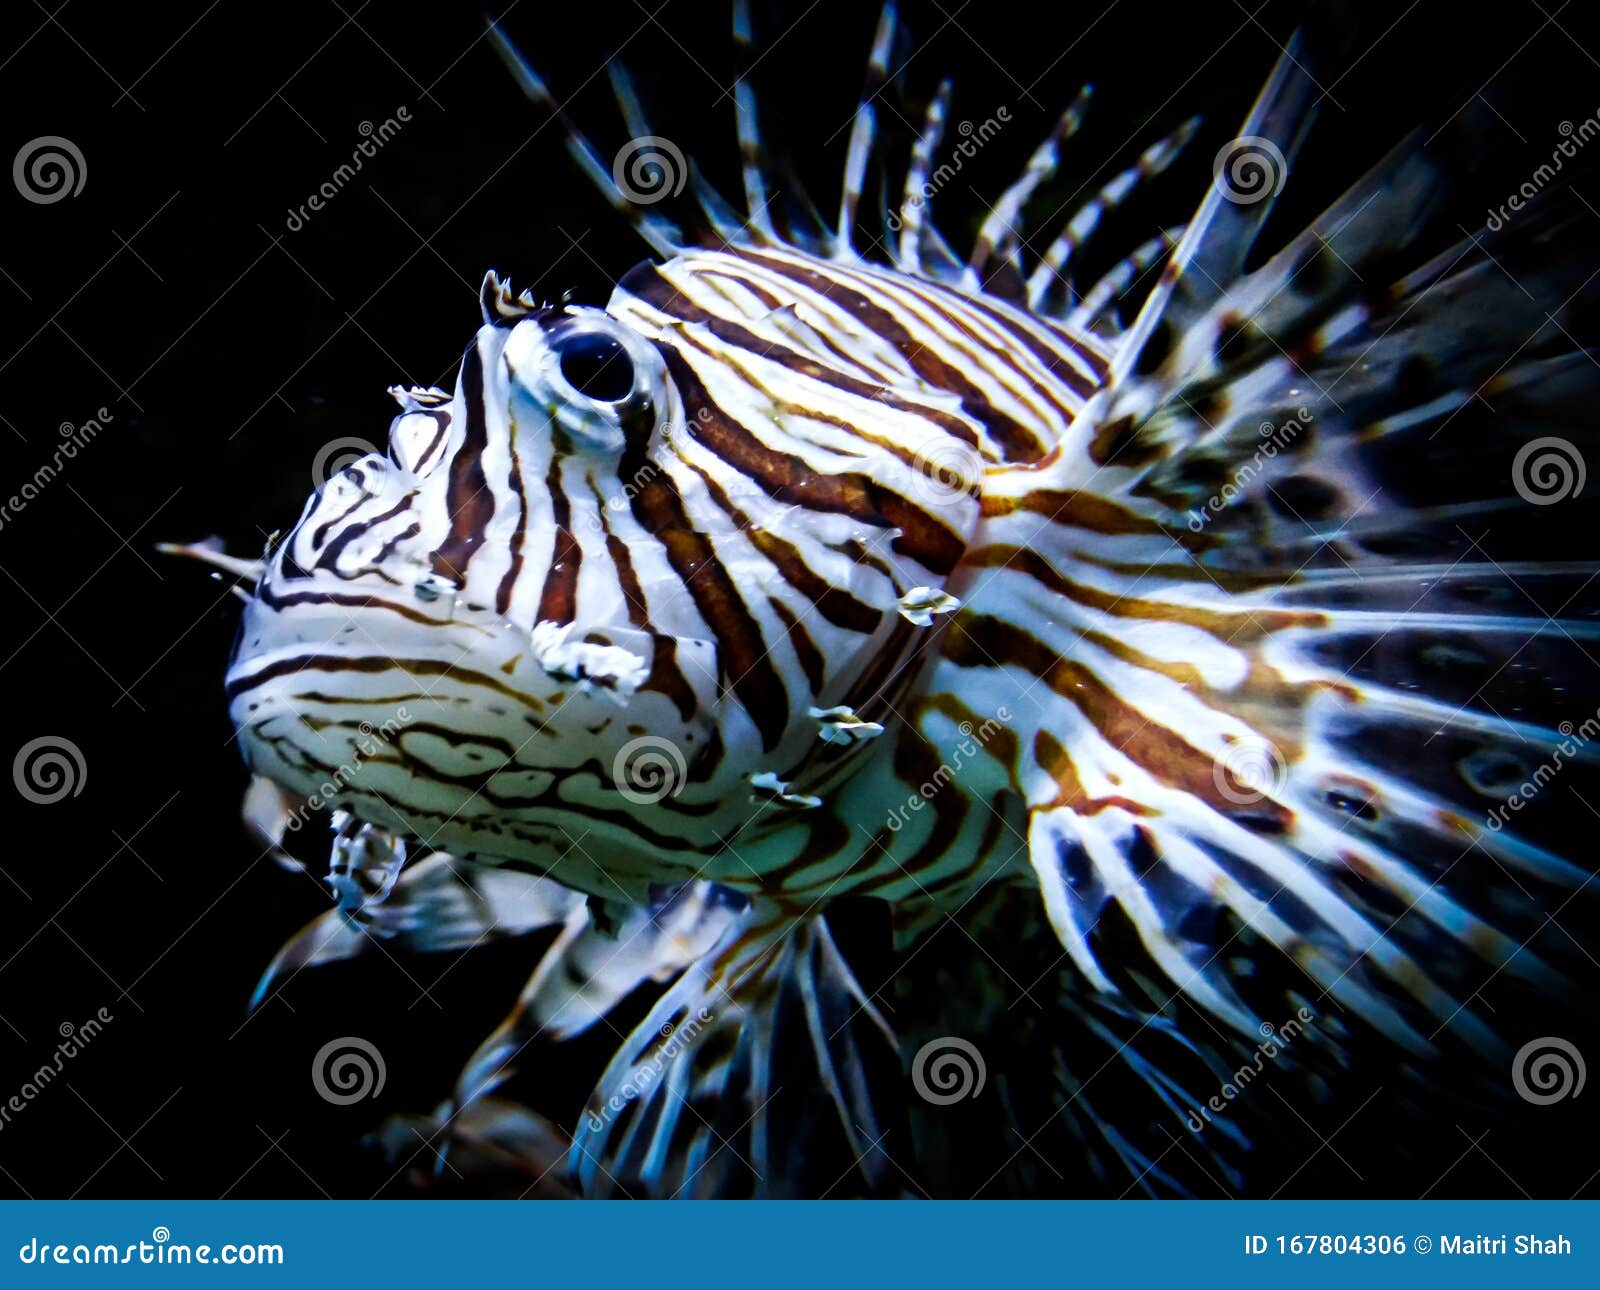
[597,367]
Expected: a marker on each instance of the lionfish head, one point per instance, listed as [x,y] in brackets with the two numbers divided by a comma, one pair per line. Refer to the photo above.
[417,651]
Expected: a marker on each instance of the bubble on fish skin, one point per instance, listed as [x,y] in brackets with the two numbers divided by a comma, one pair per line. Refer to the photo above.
[1249,771]
[1249,169]
[48,169]
[348,1070]
[649,169]
[649,769]
[948,1070]
[1548,1070]
[48,769]
[1548,470]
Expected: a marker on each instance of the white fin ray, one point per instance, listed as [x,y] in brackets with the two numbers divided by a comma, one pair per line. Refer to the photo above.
[863,130]
[998,236]
[655,228]
[1051,277]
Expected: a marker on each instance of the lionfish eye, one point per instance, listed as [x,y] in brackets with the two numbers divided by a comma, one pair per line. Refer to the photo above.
[597,366]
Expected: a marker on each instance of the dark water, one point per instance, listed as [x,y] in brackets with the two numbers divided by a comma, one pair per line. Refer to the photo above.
[227,348]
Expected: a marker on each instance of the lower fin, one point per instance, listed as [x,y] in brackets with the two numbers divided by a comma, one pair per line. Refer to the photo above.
[592,966]
[753,1074]
[438,903]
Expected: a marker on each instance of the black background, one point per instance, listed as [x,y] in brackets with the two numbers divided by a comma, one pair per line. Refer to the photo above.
[228,350]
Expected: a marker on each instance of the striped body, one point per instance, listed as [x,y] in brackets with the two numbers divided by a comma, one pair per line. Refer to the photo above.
[812,463]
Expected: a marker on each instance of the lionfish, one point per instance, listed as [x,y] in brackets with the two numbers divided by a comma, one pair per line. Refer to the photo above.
[799,572]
